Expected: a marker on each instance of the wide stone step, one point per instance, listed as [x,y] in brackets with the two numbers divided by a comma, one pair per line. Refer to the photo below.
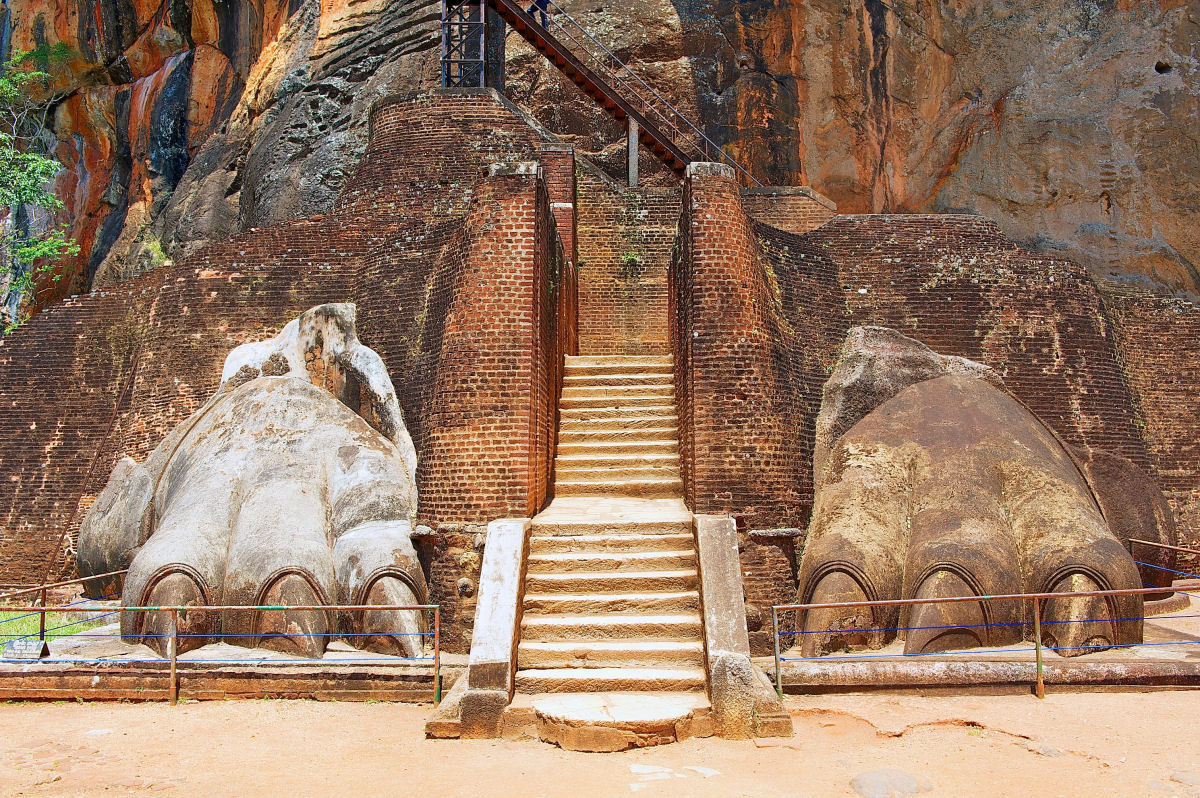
[581,399]
[599,447]
[589,603]
[615,410]
[558,561]
[614,473]
[583,680]
[658,433]
[610,654]
[617,424]
[573,626]
[613,515]
[606,527]
[630,459]
[643,488]
[612,581]
[661,380]
[617,361]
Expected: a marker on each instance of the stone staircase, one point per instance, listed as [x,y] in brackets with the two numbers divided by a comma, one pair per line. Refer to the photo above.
[611,599]
[618,431]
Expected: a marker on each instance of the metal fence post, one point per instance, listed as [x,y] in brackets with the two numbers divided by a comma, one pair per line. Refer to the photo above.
[173,651]
[1037,636]
[437,655]
[42,618]
[775,635]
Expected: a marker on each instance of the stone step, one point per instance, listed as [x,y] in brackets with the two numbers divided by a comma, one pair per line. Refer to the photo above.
[613,515]
[610,560]
[617,361]
[644,488]
[613,473]
[584,680]
[610,653]
[588,603]
[658,433]
[615,410]
[610,581]
[572,626]
[631,459]
[608,527]
[617,424]
[580,399]
[611,448]
[601,545]
[662,380]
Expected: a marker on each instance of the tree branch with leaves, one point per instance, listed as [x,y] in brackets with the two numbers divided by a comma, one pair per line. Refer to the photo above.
[29,250]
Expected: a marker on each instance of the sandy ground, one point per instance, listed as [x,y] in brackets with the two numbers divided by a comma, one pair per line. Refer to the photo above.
[1111,744]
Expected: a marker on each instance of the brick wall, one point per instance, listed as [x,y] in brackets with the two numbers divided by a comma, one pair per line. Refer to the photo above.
[1159,348]
[795,209]
[625,238]
[758,315]
[459,282]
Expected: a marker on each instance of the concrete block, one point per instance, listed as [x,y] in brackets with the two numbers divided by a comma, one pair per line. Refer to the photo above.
[709,169]
[497,617]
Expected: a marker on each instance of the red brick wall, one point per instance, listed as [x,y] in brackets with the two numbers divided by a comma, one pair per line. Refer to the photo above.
[1159,348]
[795,209]
[401,245]
[625,238]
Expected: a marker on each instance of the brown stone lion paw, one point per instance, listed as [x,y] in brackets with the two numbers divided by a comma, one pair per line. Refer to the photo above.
[933,482]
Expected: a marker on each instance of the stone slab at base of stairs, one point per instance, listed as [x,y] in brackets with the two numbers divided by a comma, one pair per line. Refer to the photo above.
[606,722]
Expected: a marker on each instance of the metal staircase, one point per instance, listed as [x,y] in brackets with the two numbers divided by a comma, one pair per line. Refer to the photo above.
[671,136]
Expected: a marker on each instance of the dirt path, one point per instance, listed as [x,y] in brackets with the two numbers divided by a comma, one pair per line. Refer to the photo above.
[1069,745]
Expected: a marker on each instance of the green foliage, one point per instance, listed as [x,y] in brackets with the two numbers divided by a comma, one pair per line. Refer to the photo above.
[26,171]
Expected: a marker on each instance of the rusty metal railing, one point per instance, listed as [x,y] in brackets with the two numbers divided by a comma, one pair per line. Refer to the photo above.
[43,590]
[173,635]
[1035,599]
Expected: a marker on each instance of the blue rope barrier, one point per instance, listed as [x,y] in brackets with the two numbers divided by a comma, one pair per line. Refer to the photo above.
[1170,570]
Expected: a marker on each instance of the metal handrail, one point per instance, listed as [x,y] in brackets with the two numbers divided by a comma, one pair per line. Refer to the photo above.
[43,588]
[1162,546]
[677,114]
[1034,598]
[173,629]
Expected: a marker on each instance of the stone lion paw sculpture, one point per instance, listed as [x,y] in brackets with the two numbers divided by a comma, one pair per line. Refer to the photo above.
[294,485]
[932,481]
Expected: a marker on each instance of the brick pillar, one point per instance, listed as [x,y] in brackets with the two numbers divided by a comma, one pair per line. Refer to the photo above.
[738,411]
[488,411]
[558,166]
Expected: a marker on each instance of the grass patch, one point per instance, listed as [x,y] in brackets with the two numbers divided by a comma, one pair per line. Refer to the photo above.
[15,625]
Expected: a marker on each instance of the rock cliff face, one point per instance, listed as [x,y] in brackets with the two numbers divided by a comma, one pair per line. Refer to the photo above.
[1071,124]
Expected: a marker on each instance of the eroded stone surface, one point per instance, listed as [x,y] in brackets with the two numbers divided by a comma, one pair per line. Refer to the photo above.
[952,488]
[274,492]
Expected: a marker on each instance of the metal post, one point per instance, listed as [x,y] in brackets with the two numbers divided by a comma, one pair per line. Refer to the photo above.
[437,655]
[633,153]
[42,618]
[1037,636]
[775,634]
[173,652]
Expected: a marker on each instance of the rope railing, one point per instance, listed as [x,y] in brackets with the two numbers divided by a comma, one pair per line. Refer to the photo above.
[683,133]
[173,635]
[1034,599]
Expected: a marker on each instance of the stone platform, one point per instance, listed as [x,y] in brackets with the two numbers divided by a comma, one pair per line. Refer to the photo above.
[603,722]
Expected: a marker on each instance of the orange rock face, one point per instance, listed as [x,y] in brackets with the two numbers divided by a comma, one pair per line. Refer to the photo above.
[1071,124]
